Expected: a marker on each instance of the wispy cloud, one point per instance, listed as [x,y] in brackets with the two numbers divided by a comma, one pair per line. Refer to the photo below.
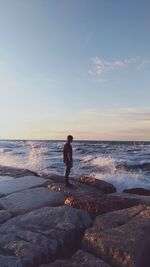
[117,123]
[143,64]
[101,66]
[127,113]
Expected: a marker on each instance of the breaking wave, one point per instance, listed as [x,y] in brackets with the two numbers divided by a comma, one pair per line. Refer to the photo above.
[120,175]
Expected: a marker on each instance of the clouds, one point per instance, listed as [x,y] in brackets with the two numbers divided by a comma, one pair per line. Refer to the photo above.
[116,123]
[127,114]
[100,66]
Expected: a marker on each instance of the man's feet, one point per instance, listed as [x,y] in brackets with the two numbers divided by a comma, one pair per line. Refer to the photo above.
[68,184]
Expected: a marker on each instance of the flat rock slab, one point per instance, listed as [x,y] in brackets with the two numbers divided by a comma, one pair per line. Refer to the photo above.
[75,189]
[15,185]
[9,261]
[27,200]
[57,183]
[80,259]
[4,216]
[15,172]
[43,235]
[121,238]
[6,178]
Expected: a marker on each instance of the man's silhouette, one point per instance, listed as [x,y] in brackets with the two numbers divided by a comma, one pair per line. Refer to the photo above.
[67,152]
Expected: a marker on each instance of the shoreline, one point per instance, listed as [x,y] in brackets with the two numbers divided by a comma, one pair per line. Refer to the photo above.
[54,225]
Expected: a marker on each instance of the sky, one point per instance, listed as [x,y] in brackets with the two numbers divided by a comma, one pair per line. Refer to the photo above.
[79,67]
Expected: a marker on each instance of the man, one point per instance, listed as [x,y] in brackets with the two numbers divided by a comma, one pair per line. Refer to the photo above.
[67,153]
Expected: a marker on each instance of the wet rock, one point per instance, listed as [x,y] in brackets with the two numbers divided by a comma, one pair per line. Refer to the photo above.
[4,216]
[53,177]
[105,187]
[15,172]
[25,201]
[97,203]
[15,185]
[73,190]
[44,235]
[137,198]
[117,237]
[80,259]
[6,178]
[138,191]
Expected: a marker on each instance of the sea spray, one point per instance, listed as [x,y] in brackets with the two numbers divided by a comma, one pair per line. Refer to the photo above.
[31,159]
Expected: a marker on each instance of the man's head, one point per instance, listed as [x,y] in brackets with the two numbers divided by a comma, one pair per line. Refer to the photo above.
[69,138]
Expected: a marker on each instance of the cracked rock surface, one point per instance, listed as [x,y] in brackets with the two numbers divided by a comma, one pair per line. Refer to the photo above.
[117,236]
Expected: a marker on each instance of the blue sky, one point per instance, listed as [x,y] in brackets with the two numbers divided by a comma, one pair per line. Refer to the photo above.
[77,67]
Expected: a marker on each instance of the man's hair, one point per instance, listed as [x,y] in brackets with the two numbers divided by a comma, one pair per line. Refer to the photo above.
[69,137]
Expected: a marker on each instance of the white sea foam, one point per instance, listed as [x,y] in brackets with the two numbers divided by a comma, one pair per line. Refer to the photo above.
[124,180]
[104,163]
[105,168]
[32,160]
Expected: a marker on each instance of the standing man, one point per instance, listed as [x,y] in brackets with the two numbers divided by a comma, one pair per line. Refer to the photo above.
[67,153]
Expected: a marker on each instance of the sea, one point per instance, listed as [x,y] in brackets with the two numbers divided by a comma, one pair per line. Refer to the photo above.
[124,164]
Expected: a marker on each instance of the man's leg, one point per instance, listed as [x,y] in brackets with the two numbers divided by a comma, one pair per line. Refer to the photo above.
[68,169]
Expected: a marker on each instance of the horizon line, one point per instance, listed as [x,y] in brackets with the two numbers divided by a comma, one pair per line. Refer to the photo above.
[75,140]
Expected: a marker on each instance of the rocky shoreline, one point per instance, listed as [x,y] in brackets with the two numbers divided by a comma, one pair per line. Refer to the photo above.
[43,223]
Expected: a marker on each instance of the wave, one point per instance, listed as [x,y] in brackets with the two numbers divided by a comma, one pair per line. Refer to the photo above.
[31,160]
[81,151]
[109,162]
[124,180]
[121,175]
[141,166]
[3,150]
[105,164]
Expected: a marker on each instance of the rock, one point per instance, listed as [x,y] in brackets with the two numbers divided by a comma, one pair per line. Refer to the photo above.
[15,172]
[74,190]
[15,185]
[43,235]
[137,198]
[97,203]
[4,216]
[54,178]
[117,237]
[138,191]
[143,259]
[117,218]
[6,178]
[25,201]
[80,259]
[105,187]
[9,261]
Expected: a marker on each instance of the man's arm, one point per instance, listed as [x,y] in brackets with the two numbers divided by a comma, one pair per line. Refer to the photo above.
[64,153]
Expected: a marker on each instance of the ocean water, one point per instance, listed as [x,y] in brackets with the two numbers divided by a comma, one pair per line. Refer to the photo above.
[124,164]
